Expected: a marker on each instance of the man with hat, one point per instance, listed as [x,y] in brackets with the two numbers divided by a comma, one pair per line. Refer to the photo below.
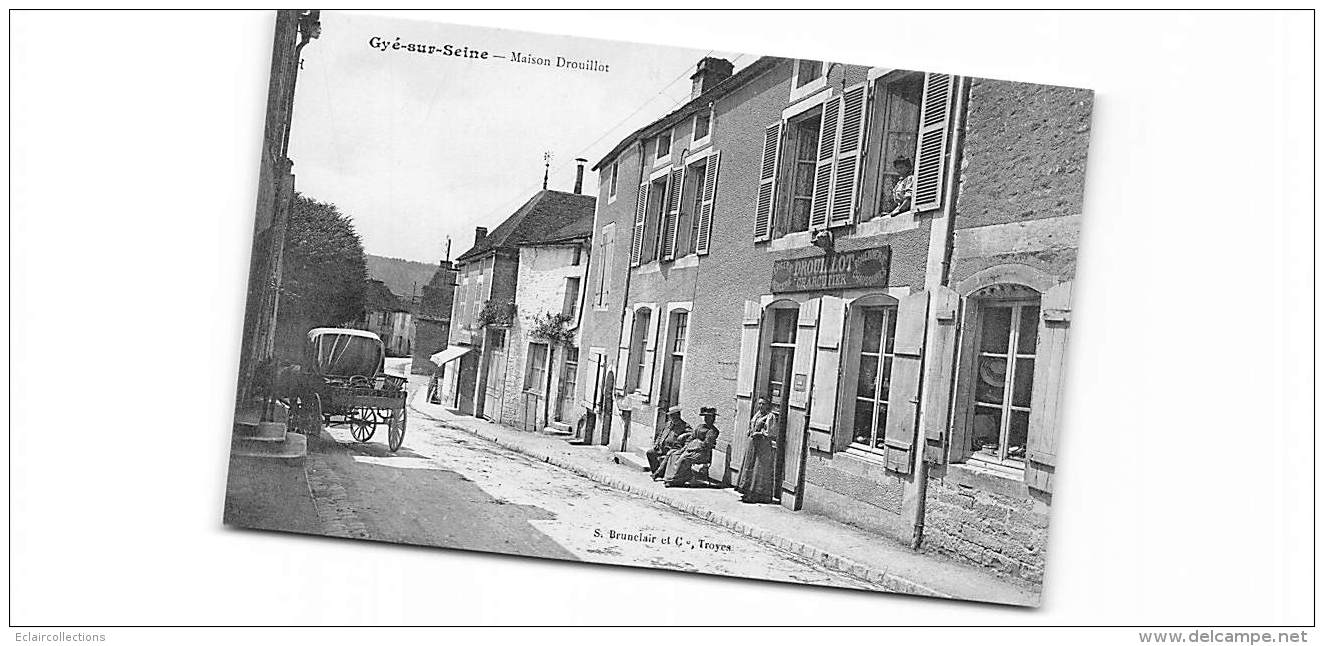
[678,466]
[671,436]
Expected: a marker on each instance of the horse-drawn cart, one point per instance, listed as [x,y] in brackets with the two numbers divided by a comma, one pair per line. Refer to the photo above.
[350,387]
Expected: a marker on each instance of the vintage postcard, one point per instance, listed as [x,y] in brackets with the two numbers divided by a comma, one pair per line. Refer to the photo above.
[723,313]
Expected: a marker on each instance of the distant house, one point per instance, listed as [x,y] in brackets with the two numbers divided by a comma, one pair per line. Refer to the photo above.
[390,318]
[484,318]
[432,318]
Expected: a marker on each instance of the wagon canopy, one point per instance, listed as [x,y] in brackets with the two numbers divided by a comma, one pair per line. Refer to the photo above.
[344,352]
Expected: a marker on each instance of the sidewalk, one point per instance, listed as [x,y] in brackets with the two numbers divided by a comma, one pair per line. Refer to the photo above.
[873,558]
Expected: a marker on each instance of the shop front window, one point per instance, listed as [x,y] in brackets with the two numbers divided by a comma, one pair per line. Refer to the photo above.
[877,336]
[1004,380]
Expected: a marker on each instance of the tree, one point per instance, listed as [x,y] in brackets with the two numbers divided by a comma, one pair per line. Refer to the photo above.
[324,275]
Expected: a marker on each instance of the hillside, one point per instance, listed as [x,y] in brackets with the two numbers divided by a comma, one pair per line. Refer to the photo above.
[403,277]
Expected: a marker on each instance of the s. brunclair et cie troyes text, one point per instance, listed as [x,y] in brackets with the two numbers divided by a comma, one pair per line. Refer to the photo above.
[398,45]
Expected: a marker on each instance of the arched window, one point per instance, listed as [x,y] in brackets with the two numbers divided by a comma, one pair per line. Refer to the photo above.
[1001,372]
[871,330]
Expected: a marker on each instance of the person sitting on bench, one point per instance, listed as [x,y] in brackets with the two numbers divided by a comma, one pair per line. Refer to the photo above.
[678,468]
[671,437]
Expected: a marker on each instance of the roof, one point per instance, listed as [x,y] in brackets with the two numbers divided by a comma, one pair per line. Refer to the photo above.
[578,229]
[728,85]
[377,297]
[541,219]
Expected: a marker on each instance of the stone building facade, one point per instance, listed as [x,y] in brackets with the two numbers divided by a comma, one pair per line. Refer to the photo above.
[432,321]
[753,244]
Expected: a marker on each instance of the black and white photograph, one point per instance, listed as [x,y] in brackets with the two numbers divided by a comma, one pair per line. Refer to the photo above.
[436,325]
[806,321]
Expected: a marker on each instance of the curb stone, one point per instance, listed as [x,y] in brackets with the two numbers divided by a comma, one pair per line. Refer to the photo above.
[891,582]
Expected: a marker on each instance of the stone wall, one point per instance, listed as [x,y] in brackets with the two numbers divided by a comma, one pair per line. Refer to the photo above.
[987,520]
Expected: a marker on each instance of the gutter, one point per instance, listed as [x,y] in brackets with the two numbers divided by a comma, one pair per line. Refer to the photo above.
[952,190]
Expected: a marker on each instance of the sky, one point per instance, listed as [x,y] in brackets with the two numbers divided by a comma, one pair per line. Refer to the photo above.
[417,147]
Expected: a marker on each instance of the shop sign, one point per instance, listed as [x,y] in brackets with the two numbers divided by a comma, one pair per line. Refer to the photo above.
[840,270]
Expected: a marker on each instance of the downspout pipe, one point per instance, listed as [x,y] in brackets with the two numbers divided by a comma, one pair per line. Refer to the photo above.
[951,190]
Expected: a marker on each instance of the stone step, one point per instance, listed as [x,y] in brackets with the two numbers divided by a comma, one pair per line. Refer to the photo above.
[293,447]
[631,459]
[260,431]
[553,430]
[561,427]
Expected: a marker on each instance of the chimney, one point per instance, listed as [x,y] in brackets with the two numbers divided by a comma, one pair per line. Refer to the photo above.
[479,234]
[579,175]
[708,74]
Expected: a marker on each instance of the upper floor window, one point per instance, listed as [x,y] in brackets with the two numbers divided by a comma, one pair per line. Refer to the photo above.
[663,149]
[611,182]
[535,375]
[807,71]
[693,205]
[638,339]
[570,307]
[892,140]
[703,121]
[799,155]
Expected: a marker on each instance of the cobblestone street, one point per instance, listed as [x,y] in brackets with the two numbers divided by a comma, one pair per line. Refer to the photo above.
[447,488]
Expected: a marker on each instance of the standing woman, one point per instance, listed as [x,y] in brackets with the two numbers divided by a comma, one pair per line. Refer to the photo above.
[756,482]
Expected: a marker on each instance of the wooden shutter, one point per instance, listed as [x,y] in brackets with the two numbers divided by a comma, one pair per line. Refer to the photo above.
[749,349]
[772,138]
[845,183]
[903,393]
[820,205]
[640,211]
[806,338]
[827,364]
[939,368]
[623,352]
[590,380]
[650,354]
[931,147]
[1049,378]
[705,214]
[675,187]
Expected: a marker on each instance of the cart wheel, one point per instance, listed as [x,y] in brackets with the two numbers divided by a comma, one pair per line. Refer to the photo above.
[361,426]
[396,431]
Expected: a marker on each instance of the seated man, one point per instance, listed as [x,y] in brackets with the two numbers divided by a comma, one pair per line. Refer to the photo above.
[671,436]
[678,466]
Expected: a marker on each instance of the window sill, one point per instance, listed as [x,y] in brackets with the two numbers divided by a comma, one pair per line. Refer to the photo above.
[699,144]
[662,162]
[796,240]
[997,480]
[685,262]
[650,267]
[883,224]
[611,198]
[809,88]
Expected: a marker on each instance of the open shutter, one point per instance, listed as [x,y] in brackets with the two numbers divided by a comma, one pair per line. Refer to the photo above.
[931,147]
[903,393]
[827,364]
[705,214]
[820,205]
[806,339]
[939,367]
[772,138]
[674,187]
[845,184]
[650,355]
[590,379]
[623,352]
[749,349]
[640,209]
[1049,378]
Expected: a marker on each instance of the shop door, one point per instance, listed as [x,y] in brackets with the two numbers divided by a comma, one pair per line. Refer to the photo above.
[781,359]
[496,375]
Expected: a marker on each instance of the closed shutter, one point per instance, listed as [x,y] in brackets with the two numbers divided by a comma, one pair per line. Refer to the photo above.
[749,349]
[640,210]
[650,355]
[827,364]
[675,186]
[623,352]
[772,137]
[939,368]
[845,184]
[820,205]
[903,393]
[931,147]
[1049,378]
[590,380]
[705,214]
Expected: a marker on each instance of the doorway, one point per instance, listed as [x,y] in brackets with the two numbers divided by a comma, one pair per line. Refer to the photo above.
[777,383]
[496,375]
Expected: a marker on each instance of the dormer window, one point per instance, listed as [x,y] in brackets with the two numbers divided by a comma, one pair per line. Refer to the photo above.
[663,146]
